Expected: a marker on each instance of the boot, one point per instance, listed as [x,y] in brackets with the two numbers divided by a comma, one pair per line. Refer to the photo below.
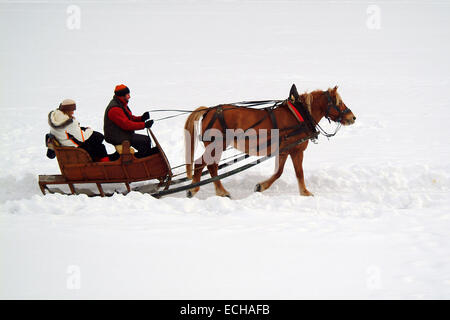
[51,154]
[113,157]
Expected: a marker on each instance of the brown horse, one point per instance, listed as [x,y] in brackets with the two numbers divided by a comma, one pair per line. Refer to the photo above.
[316,105]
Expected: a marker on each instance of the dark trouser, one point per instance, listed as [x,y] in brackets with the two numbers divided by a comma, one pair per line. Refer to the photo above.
[142,144]
[94,146]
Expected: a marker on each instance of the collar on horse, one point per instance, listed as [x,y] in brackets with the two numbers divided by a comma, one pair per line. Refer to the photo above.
[332,104]
[302,114]
[295,111]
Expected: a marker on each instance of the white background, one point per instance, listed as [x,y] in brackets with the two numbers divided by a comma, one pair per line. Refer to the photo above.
[378,224]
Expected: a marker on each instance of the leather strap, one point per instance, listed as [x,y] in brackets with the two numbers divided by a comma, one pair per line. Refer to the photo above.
[272,117]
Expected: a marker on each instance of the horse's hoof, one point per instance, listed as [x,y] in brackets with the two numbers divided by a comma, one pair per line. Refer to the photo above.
[258,188]
[189,194]
[227,196]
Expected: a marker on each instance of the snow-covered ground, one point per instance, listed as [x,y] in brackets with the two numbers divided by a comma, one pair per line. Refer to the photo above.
[378,225]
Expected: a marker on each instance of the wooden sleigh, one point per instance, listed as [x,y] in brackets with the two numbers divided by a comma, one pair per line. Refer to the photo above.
[77,167]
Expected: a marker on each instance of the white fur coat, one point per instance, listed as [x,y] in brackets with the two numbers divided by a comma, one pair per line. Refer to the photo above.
[67,130]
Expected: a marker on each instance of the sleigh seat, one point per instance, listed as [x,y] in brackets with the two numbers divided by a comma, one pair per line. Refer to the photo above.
[77,167]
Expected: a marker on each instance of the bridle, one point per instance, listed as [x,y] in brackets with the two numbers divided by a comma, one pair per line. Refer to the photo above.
[332,104]
[341,113]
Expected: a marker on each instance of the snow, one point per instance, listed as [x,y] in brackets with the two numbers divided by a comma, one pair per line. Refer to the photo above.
[378,224]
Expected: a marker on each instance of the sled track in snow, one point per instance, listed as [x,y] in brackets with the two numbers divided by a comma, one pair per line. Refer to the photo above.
[397,187]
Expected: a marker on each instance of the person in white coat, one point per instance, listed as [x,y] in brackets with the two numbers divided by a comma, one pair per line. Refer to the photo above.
[68,132]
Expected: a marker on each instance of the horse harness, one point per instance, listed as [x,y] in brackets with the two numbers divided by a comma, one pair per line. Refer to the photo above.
[298,129]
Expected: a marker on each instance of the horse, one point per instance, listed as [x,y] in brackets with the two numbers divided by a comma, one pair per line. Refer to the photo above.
[281,119]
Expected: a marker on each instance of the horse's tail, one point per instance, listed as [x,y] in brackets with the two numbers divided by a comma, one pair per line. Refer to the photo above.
[190,132]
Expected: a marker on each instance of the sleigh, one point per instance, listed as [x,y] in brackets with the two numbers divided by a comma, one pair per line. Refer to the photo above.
[77,167]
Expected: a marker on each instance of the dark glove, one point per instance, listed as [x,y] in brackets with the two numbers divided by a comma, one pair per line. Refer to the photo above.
[145,116]
[148,124]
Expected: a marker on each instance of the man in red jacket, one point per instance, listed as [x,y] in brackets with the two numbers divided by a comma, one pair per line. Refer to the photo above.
[120,123]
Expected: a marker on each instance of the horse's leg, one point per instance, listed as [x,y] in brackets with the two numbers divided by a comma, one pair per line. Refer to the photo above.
[297,161]
[220,190]
[280,160]
[213,171]
[198,169]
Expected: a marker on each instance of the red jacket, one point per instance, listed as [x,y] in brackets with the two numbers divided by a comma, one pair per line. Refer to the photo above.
[128,123]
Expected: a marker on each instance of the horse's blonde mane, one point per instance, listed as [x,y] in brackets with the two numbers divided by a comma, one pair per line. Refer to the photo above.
[330,90]
[307,98]
[338,97]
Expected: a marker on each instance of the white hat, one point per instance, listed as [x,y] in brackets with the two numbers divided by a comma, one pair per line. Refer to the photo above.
[68,105]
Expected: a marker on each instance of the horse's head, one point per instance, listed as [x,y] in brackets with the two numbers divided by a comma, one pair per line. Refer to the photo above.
[336,109]
[326,104]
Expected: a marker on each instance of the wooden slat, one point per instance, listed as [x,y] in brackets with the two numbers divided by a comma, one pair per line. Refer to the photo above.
[100,189]
[52,179]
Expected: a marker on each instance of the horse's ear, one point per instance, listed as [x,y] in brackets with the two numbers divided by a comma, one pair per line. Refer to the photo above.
[293,94]
[335,88]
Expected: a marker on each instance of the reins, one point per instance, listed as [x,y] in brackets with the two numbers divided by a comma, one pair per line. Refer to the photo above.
[273,105]
[237,105]
[326,134]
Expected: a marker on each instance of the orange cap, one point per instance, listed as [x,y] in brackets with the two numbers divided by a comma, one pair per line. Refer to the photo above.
[121,90]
